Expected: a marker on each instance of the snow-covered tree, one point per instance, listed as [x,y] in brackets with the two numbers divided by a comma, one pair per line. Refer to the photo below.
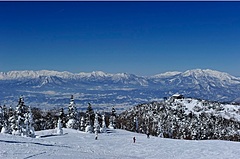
[72,115]
[112,119]
[113,112]
[1,117]
[12,120]
[96,135]
[89,119]
[111,125]
[4,118]
[135,120]
[82,124]
[88,129]
[59,127]
[29,123]
[96,123]
[62,117]
[103,129]
[21,110]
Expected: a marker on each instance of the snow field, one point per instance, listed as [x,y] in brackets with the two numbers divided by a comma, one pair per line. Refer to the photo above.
[116,145]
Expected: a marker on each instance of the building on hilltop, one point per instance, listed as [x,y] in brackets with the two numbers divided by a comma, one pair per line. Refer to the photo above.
[177,96]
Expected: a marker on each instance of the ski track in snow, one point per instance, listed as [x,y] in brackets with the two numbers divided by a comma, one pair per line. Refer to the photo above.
[34,155]
[116,145]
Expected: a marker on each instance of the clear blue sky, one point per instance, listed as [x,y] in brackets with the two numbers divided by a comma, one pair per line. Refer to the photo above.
[144,38]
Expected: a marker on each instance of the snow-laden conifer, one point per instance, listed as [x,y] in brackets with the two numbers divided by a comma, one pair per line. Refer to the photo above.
[21,110]
[72,115]
[4,119]
[62,117]
[96,124]
[59,127]
[112,119]
[12,120]
[82,124]
[103,129]
[30,130]
[89,119]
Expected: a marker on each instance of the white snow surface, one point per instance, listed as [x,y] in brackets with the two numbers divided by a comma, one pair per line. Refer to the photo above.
[166,74]
[115,145]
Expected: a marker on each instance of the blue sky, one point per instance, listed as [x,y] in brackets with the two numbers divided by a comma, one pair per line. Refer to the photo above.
[143,38]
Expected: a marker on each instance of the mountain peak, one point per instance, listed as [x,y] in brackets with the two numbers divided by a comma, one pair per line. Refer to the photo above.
[98,74]
[208,72]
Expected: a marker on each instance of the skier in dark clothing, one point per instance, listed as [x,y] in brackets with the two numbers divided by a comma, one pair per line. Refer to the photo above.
[134,139]
[148,135]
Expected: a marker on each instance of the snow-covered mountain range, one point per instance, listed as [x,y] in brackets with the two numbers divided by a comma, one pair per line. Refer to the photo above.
[53,88]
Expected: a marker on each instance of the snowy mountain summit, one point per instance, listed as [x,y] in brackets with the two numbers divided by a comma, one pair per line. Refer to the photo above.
[119,88]
[67,75]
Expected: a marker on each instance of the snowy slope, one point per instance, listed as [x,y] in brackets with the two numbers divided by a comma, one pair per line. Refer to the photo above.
[76,144]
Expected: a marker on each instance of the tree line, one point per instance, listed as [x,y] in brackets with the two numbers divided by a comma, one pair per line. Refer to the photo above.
[24,120]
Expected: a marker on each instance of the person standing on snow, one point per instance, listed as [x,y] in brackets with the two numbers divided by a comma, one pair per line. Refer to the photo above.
[134,139]
[148,135]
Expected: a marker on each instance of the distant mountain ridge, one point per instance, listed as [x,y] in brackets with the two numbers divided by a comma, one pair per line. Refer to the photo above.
[112,89]
[35,74]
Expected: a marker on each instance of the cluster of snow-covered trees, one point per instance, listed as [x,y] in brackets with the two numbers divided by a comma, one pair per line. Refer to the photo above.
[172,118]
[17,121]
[89,121]
[24,120]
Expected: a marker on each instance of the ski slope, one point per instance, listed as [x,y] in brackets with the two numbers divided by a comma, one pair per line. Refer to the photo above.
[115,145]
